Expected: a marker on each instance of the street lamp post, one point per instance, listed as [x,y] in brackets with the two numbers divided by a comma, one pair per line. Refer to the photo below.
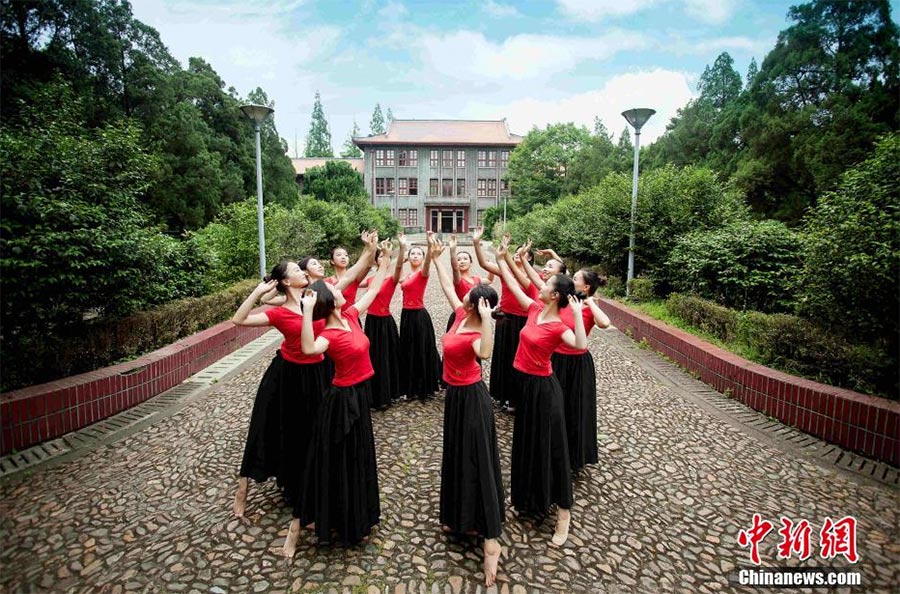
[637,118]
[258,113]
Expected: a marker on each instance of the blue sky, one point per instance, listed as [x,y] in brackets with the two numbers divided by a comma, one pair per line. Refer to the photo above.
[531,62]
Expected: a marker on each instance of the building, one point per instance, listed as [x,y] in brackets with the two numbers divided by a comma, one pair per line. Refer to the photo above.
[438,175]
[304,163]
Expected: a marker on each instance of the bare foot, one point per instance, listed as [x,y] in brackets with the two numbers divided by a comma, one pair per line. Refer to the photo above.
[290,541]
[240,498]
[491,560]
[563,519]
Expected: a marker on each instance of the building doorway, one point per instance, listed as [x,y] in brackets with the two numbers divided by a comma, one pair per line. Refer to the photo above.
[448,220]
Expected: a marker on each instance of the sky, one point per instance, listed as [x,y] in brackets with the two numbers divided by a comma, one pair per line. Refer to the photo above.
[532,63]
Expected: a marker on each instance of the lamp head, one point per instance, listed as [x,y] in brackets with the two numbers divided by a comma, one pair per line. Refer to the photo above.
[257,113]
[637,117]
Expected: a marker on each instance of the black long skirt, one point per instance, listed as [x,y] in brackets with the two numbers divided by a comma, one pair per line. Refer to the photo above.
[540,455]
[384,347]
[471,484]
[577,378]
[420,363]
[340,490]
[281,423]
[504,378]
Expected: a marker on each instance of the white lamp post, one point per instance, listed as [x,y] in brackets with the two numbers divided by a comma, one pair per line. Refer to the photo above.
[258,113]
[637,118]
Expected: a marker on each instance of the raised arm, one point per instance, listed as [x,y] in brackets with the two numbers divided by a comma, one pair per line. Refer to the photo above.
[384,264]
[578,338]
[454,265]
[524,300]
[273,297]
[309,343]
[479,254]
[243,317]
[517,272]
[601,320]
[533,275]
[401,251]
[548,253]
[436,249]
[484,346]
[426,268]
[362,264]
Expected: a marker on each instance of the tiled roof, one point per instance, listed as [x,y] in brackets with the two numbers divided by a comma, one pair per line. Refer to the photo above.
[444,132]
[301,165]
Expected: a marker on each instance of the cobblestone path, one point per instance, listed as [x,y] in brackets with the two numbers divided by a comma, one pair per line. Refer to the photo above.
[660,513]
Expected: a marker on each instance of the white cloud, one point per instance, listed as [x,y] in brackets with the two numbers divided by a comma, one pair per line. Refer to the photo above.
[714,46]
[596,10]
[500,11]
[714,12]
[468,55]
[663,90]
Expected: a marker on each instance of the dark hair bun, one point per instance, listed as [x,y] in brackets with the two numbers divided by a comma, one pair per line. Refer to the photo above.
[267,278]
[497,313]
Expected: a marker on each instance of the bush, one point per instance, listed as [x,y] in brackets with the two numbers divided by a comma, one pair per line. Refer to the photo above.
[641,289]
[614,287]
[745,265]
[92,345]
[710,317]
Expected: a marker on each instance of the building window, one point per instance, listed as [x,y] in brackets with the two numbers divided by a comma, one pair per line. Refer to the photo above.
[460,159]
[389,185]
[482,158]
[492,187]
[413,186]
[504,185]
[407,158]
[379,186]
[448,160]
[389,157]
[479,218]
[403,186]
[482,187]
[433,160]
[504,158]
[433,187]
[401,216]
[460,187]
[446,187]
[492,159]
[379,158]
[412,217]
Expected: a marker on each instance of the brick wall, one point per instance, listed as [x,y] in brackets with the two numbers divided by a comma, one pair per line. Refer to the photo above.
[37,413]
[857,422]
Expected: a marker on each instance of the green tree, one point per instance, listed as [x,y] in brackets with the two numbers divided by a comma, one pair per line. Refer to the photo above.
[336,181]
[850,280]
[318,141]
[721,83]
[350,149]
[376,125]
[539,166]
[597,158]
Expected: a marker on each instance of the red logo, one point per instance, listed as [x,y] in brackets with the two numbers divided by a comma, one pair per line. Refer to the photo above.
[835,538]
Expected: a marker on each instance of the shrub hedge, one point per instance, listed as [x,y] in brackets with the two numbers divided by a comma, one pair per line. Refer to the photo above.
[43,358]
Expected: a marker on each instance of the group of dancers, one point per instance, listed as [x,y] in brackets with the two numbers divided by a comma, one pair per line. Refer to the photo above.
[311,426]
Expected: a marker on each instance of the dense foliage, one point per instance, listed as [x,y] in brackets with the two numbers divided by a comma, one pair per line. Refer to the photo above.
[318,141]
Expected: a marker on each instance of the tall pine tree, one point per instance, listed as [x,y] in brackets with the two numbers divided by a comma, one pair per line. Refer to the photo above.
[376,126]
[318,141]
[350,149]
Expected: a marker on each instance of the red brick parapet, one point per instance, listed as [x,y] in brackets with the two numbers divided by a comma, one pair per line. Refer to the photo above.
[858,422]
[38,413]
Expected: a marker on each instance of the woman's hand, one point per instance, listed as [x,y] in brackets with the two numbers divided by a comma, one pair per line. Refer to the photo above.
[452,242]
[478,234]
[484,308]
[264,287]
[576,304]
[437,248]
[308,301]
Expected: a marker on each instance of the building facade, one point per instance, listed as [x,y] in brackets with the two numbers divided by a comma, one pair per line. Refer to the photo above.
[438,175]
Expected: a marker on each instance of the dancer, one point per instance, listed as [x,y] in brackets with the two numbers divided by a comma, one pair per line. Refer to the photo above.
[541,475]
[420,368]
[340,490]
[574,368]
[384,340]
[471,484]
[463,279]
[340,260]
[503,386]
[288,396]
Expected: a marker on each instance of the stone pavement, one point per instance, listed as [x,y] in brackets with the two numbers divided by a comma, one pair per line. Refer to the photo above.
[661,511]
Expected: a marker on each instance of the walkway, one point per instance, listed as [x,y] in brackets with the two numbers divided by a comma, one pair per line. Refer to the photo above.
[677,480]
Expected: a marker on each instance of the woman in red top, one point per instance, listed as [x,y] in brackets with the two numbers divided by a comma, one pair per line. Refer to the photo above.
[463,279]
[420,363]
[471,483]
[574,368]
[503,386]
[540,458]
[288,395]
[340,487]
[384,342]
